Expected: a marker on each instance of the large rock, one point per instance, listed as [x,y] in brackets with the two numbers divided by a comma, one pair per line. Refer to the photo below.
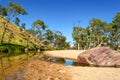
[100,56]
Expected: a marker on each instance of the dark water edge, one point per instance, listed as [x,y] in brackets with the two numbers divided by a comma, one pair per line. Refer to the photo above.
[62,61]
[74,63]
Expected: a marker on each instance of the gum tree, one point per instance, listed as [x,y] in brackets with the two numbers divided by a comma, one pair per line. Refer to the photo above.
[116,31]
[39,26]
[97,27]
[10,12]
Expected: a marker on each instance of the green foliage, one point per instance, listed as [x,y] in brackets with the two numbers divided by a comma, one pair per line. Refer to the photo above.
[97,27]
[17,21]
[98,32]
[14,35]
[11,48]
[49,35]
[56,40]
[81,36]
[116,20]
[34,38]
[39,24]
[115,32]
[23,26]
[31,31]
[38,28]
[15,9]
[11,11]
[3,10]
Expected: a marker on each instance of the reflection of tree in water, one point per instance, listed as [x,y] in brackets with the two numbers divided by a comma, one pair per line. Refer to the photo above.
[53,59]
[27,57]
[2,70]
[13,64]
[4,65]
[8,61]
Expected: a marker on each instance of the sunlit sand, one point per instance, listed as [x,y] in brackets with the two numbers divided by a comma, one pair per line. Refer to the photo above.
[66,54]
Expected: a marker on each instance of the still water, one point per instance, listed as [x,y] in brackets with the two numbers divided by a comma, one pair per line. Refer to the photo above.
[12,65]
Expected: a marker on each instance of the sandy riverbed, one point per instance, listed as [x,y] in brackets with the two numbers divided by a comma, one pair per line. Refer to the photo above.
[66,54]
[42,70]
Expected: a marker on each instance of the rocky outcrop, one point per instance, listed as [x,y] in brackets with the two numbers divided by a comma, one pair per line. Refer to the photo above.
[100,56]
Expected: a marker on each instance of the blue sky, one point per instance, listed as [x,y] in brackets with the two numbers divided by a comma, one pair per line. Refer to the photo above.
[63,14]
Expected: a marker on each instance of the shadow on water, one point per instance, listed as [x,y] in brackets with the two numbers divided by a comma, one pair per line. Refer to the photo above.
[12,65]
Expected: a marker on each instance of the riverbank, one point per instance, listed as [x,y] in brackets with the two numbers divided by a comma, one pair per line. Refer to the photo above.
[11,47]
[43,70]
[65,54]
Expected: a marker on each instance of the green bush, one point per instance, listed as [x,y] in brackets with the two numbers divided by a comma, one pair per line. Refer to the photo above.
[11,48]
[3,49]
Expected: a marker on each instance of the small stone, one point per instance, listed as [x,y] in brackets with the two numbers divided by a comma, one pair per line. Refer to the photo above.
[49,78]
[62,71]
[57,79]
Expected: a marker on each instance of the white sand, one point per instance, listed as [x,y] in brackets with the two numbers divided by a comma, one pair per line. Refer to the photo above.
[67,54]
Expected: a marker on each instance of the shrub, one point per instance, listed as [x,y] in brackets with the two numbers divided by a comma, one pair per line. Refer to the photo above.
[11,48]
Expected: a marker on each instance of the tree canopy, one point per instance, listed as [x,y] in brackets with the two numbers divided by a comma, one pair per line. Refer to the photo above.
[98,32]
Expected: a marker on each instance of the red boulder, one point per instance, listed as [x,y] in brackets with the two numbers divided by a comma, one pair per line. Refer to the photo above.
[100,56]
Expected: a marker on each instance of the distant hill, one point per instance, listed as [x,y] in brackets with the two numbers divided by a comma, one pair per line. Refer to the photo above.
[15,35]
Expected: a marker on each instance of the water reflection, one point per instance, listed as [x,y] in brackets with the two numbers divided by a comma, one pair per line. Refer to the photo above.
[58,60]
[63,61]
[52,59]
[69,62]
[13,64]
